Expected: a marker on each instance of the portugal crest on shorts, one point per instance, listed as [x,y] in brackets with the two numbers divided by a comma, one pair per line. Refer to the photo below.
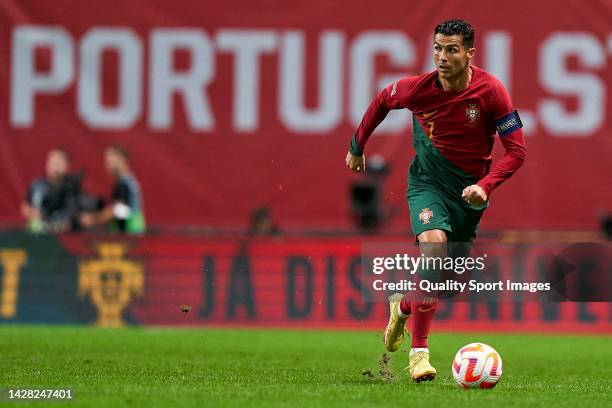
[426,215]
[472,112]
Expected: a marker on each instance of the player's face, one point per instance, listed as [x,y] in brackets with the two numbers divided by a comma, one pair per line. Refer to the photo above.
[57,165]
[450,55]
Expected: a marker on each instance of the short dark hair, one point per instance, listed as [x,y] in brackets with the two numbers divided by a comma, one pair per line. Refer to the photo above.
[120,150]
[457,27]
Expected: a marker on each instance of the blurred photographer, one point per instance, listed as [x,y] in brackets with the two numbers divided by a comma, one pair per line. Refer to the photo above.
[52,203]
[124,213]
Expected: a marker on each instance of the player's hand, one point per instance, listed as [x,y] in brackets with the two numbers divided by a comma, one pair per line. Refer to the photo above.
[355,163]
[474,195]
[87,220]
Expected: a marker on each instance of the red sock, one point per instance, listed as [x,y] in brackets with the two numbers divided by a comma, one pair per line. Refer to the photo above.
[422,317]
[405,305]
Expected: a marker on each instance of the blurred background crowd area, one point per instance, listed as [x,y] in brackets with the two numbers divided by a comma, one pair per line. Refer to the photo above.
[146,117]
[144,143]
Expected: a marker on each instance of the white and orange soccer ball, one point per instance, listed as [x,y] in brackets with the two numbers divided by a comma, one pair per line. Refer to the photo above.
[477,365]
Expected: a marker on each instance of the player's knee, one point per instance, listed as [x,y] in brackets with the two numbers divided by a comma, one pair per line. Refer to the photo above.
[433,243]
[435,235]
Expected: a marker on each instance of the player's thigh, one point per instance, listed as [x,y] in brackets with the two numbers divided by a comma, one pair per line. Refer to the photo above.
[464,222]
[428,211]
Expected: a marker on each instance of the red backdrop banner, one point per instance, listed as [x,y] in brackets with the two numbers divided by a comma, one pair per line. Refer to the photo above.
[229,105]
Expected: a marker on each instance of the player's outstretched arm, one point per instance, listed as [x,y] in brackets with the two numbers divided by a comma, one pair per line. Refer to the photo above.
[395,96]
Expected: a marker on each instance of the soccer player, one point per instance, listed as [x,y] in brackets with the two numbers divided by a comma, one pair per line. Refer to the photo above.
[456,111]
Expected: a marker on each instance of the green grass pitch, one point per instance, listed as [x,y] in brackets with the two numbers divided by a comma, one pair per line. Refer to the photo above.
[149,367]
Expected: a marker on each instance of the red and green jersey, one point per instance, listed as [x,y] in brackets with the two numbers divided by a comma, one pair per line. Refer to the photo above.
[453,131]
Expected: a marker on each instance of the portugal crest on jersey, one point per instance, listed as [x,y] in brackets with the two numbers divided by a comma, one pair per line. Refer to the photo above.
[472,112]
[426,215]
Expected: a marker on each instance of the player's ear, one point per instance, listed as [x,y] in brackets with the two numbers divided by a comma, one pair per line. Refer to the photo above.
[470,53]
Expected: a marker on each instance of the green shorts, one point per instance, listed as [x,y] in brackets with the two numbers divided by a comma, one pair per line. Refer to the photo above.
[431,208]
